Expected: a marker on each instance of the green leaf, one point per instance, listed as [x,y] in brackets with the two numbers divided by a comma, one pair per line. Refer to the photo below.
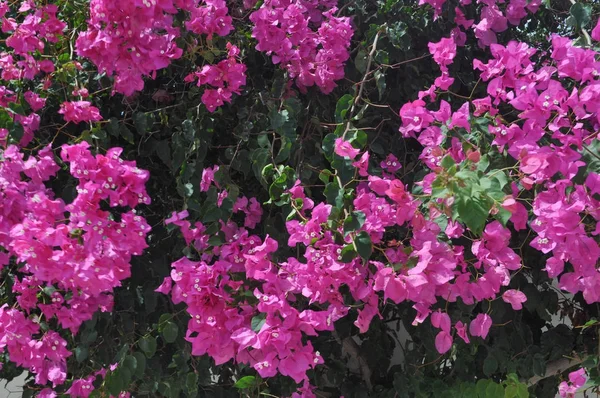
[328,145]
[282,183]
[89,337]
[447,162]
[363,245]
[512,378]
[170,332]
[499,176]
[188,129]
[494,390]
[16,108]
[215,240]
[539,366]
[162,321]
[98,134]
[283,122]
[503,216]
[163,150]
[398,35]
[473,211]
[113,127]
[121,353]
[188,190]
[17,132]
[130,362]
[148,345]
[28,393]
[589,323]
[522,391]
[258,321]
[259,158]
[348,254]
[191,382]
[342,107]
[278,118]
[81,354]
[115,383]
[482,386]
[208,56]
[334,194]
[354,222]
[324,176]
[140,120]
[210,213]
[263,140]
[582,14]
[284,150]
[510,391]
[355,136]
[5,119]
[345,169]
[164,388]
[361,60]
[140,364]
[490,365]
[245,382]
[589,157]
[484,163]
[126,134]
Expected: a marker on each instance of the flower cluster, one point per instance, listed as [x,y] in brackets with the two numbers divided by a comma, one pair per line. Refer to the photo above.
[443,53]
[546,141]
[29,35]
[28,38]
[576,380]
[312,55]
[210,17]
[495,16]
[135,40]
[272,322]
[69,257]
[79,111]
[130,40]
[224,79]
[83,387]
[245,303]
[423,268]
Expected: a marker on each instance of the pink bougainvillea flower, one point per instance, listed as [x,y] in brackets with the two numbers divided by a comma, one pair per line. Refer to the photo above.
[414,118]
[390,164]
[443,342]
[362,164]
[345,149]
[34,100]
[79,111]
[165,287]
[443,51]
[441,320]
[515,298]
[480,326]
[596,31]
[576,380]
[461,331]
[208,178]
[460,118]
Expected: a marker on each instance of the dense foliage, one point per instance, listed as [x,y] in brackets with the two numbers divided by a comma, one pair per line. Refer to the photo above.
[300,198]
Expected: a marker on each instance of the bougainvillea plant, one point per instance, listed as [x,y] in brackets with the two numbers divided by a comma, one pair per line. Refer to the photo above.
[300,198]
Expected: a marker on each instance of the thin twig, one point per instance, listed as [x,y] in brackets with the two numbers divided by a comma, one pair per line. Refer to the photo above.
[362,83]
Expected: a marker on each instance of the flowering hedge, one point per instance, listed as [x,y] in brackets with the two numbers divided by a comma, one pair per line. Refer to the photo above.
[300,198]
